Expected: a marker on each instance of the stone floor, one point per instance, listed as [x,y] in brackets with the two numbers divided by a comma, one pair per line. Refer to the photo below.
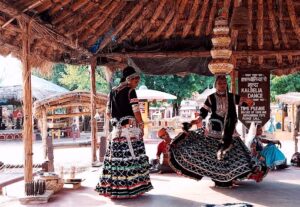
[280,188]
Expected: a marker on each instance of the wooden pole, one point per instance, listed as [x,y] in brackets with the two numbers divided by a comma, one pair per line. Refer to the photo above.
[103,140]
[0,116]
[27,102]
[282,119]
[293,115]
[50,153]
[44,132]
[296,128]
[93,111]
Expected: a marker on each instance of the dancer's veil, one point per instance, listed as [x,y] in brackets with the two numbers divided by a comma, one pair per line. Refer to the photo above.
[250,136]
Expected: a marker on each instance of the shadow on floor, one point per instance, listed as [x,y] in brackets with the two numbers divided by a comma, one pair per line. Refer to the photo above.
[268,193]
[158,200]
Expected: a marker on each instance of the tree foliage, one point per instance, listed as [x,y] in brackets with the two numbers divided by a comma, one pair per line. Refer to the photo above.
[78,78]
[182,87]
[284,84]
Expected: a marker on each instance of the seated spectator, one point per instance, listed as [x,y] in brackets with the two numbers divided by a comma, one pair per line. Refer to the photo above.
[2,126]
[163,148]
[273,157]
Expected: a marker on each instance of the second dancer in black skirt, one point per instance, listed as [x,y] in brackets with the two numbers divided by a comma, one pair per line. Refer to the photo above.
[217,154]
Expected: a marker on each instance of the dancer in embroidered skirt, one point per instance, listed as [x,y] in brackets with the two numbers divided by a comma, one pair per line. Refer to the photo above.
[218,154]
[126,167]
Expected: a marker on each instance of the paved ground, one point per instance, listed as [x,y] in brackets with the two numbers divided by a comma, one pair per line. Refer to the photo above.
[280,188]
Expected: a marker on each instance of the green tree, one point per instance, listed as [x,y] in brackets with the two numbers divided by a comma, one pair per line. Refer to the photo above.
[284,84]
[56,73]
[182,87]
[78,78]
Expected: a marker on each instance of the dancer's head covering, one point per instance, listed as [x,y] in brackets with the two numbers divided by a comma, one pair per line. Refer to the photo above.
[128,73]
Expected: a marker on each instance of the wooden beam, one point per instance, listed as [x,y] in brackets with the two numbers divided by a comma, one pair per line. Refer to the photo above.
[201,18]
[32,6]
[43,7]
[147,27]
[246,53]
[136,23]
[285,70]
[225,9]
[93,111]
[250,26]
[273,25]
[59,116]
[180,6]
[69,11]
[68,105]
[260,24]
[290,58]
[279,59]
[282,26]
[260,60]
[9,27]
[163,25]
[233,81]
[192,17]
[121,25]
[211,17]
[41,30]
[234,32]
[156,54]
[293,17]
[58,6]
[98,22]
[238,54]
[106,25]
[27,101]
[82,23]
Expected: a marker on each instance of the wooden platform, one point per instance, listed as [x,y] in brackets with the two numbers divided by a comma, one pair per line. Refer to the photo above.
[74,183]
[39,199]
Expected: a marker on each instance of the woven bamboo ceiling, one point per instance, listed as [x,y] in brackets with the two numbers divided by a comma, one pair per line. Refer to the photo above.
[157,36]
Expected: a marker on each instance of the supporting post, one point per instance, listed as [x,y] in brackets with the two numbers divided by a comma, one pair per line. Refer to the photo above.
[50,153]
[293,115]
[44,133]
[27,102]
[296,128]
[282,119]
[93,111]
[0,116]
[103,140]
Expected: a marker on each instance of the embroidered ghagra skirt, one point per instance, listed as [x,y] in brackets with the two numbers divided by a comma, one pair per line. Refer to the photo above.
[125,172]
[195,156]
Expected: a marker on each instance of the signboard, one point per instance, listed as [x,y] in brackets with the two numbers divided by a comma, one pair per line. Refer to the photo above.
[256,86]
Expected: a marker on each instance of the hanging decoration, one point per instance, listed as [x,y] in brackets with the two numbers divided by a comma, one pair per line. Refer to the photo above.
[221,51]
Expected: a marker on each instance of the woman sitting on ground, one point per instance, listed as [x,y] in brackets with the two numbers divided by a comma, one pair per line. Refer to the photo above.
[273,157]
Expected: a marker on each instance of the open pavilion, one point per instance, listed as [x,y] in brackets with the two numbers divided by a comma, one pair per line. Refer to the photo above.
[156,37]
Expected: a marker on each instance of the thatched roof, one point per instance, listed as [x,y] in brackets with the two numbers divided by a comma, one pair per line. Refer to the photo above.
[11,82]
[155,36]
[70,99]
[289,98]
